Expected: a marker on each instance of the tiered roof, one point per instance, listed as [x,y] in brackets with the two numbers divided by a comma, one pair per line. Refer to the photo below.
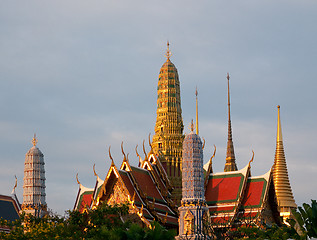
[145,189]
[236,197]
[84,197]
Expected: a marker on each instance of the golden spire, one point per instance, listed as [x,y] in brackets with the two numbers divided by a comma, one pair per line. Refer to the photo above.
[196,93]
[34,140]
[168,138]
[230,157]
[279,128]
[282,184]
[168,52]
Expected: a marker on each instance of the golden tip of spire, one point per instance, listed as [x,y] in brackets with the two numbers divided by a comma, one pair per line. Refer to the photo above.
[228,77]
[278,106]
[192,125]
[34,140]
[168,52]
[196,92]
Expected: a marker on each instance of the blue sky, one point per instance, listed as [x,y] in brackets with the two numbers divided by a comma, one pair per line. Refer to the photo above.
[82,75]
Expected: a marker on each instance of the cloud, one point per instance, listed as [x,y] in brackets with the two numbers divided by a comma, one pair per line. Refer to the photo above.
[83,75]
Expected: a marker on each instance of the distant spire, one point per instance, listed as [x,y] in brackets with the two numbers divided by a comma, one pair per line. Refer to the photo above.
[282,184]
[168,52]
[34,140]
[230,157]
[196,93]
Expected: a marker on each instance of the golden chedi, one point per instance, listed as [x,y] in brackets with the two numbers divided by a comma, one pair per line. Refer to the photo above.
[168,138]
[282,184]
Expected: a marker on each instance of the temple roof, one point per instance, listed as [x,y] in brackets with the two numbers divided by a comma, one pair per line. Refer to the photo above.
[236,197]
[9,208]
[34,151]
[84,198]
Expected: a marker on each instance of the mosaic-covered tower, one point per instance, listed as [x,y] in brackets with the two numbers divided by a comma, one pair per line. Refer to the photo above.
[168,137]
[193,205]
[282,184]
[34,182]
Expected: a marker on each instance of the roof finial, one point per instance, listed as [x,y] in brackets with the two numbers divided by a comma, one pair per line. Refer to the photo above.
[168,52]
[15,185]
[124,156]
[34,140]
[144,151]
[112,162]
[93,167]
[77,179]
[196,93]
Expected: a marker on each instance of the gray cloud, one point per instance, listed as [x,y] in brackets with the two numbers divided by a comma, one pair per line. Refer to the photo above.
[83,75]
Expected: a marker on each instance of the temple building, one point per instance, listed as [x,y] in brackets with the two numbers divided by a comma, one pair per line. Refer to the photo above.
[168,138]
[170,185]
[34,182]
[9,207]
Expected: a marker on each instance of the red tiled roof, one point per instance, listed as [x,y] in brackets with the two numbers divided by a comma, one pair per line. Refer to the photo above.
[254,193]
[85,200]
[224,188]
[146,183]
[129,185]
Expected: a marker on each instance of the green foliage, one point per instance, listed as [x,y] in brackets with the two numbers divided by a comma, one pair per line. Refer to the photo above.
[306,218]
[105,222]
[273,232]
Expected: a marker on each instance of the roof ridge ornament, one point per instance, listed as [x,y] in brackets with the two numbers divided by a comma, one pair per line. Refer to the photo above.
[15,185]
[34,140]
[168,52]
[77,179]
[251,158]
[124,156]
[150,144]
[93,167]
[112,162]
[145,159]
[136,151]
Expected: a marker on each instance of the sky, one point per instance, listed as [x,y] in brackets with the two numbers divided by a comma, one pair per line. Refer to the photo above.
[82,75]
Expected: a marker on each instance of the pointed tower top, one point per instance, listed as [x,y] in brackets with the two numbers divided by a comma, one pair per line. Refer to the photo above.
[230,157]
[196,93]
[192,126]
[34,140]
[283,190]
[279,126]
[168,52]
